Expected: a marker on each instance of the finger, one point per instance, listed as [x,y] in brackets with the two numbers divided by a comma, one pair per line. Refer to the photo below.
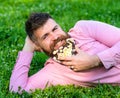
[65,58]
[66,63]
[71,67]
[75,69]
[78,50]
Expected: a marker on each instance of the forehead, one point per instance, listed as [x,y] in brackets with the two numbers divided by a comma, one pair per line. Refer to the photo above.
[46,28]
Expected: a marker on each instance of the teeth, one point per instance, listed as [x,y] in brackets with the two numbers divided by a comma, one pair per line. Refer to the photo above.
[61,47]
[58,45]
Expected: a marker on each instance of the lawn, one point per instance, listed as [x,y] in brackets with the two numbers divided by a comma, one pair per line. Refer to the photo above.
[13,14]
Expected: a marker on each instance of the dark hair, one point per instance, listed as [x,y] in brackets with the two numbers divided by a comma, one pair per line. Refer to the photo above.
[35,21]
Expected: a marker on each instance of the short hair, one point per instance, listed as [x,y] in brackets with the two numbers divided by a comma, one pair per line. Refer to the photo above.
[35,21]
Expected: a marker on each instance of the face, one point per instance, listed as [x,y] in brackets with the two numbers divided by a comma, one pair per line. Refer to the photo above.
[50,36]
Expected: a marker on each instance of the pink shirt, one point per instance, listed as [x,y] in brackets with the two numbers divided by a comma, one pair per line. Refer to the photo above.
[91,36]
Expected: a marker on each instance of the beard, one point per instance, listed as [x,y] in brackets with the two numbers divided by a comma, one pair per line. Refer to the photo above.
[53,44]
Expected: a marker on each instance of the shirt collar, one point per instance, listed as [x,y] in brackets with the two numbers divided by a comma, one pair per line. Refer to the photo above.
[50,61]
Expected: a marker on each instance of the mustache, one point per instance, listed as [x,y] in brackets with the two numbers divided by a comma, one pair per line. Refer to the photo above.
[56,41]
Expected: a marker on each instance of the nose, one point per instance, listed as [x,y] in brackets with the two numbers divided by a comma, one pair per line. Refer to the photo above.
[54,36]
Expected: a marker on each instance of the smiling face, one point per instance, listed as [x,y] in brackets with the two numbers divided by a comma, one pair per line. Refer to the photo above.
[50,36]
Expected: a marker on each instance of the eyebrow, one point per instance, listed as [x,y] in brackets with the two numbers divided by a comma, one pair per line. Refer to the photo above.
[48,32]
[54,27]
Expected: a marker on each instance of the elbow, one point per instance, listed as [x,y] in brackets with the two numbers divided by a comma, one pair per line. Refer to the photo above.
[15,89]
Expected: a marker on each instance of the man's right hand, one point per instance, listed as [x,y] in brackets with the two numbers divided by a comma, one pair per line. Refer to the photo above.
[30,46]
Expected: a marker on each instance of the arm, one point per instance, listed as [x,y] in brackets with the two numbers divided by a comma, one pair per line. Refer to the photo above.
[95,31]
[19,77]
[105,34]
[102,32]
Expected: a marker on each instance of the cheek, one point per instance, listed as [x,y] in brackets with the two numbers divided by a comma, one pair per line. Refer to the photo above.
[63,33]
[46,45]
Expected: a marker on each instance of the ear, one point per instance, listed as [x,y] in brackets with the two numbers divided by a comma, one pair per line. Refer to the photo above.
[38,48]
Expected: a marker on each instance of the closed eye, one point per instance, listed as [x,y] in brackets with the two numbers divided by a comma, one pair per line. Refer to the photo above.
[45,36]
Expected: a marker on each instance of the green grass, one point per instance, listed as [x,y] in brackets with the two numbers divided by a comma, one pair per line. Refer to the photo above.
[13,13]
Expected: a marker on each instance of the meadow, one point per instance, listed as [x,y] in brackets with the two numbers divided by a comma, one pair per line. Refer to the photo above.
[13,14]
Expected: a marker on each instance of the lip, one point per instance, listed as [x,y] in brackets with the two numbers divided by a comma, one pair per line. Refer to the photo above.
[59,44]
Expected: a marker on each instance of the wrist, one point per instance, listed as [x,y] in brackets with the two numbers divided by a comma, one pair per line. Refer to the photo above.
[96,61]
[28,48]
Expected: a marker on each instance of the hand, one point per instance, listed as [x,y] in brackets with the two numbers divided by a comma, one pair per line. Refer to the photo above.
[30,46]
[81,61]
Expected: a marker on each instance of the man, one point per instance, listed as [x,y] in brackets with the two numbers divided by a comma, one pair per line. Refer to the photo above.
[97,61]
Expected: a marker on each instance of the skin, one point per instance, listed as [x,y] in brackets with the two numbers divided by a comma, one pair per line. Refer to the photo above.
[50,37]
[81,61]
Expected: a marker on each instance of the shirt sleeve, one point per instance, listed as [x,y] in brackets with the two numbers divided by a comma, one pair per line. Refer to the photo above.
[106,34]
[20,80]
[19,75]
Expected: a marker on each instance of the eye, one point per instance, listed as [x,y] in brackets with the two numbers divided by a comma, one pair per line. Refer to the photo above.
[45,36]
